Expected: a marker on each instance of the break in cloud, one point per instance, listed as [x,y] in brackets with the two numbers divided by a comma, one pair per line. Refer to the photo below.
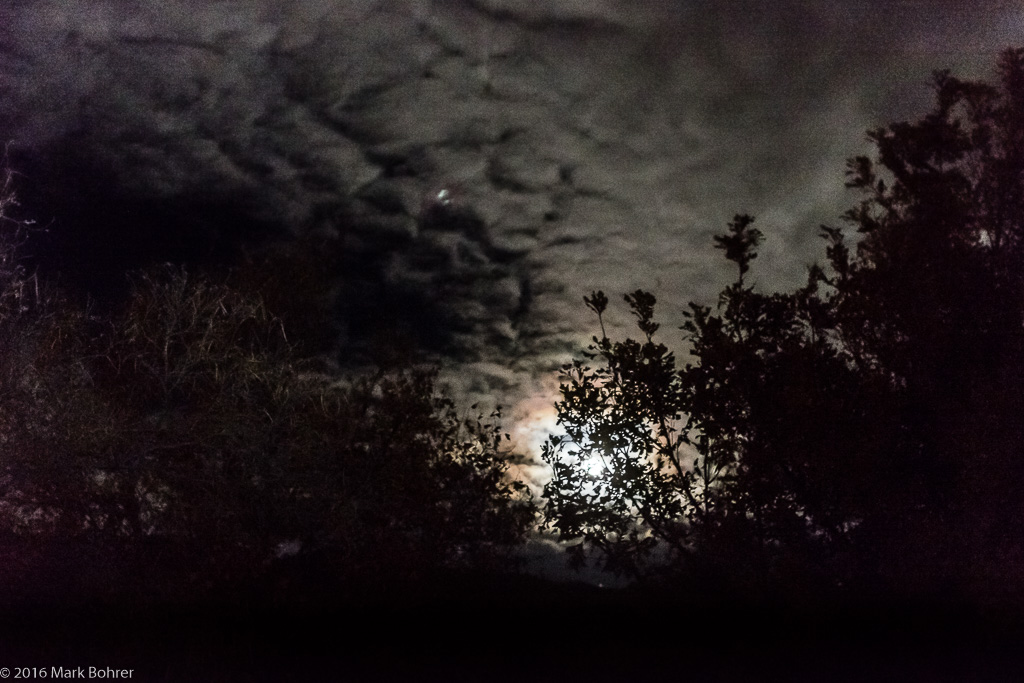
[583,143]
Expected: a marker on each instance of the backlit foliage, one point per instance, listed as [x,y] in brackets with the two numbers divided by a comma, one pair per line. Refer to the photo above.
[863,429]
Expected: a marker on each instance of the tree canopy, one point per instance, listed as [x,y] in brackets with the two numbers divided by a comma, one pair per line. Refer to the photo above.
[861,430]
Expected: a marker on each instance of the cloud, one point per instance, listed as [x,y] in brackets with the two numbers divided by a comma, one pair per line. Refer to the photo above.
[583,145]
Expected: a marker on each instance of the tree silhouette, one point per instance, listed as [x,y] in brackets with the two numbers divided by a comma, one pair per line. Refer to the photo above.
[861,428]
[175,446]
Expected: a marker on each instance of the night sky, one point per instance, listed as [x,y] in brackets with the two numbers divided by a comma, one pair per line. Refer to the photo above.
[480,164]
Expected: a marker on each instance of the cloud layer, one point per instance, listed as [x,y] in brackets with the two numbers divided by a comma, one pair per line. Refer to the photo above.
[482,164]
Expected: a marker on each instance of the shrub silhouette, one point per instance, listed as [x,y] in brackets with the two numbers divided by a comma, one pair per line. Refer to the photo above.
[177,447]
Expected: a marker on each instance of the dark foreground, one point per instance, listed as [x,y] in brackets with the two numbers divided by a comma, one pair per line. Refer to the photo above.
[522,629]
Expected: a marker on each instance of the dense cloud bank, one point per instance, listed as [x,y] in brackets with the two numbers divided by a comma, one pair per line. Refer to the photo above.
[481,164]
